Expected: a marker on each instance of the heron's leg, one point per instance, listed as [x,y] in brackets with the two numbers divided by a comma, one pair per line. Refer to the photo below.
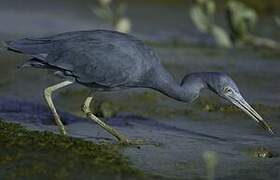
[48,96]
[91,116]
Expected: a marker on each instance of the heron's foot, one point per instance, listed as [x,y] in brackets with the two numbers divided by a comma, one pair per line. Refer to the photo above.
[63,131]
[128,142]
[60,125]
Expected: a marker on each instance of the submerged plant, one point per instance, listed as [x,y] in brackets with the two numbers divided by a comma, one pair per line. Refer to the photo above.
[107,109]
[211,160]
[113,11]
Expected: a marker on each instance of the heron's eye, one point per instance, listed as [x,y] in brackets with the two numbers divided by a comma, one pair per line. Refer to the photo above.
[227,90]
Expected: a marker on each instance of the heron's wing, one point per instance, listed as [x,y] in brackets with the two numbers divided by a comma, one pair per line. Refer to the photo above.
[97,62]
[102,57]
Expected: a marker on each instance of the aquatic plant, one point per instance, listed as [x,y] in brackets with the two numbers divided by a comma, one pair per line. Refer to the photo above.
[261,152]
[277,20]
[202,15]
[107,109]
[113,11]
[241,20]
[211,160]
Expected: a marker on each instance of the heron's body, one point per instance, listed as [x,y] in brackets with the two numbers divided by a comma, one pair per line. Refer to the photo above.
[108,60]
[128,62]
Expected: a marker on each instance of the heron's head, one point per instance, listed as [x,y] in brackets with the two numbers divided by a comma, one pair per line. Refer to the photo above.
[226,88]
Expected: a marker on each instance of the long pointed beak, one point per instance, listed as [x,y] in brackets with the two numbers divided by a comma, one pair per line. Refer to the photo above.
[239,101]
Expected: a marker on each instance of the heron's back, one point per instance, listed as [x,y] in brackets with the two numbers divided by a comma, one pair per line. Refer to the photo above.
[100,57]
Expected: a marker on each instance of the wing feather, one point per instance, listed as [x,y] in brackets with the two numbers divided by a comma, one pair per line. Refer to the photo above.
[101,57]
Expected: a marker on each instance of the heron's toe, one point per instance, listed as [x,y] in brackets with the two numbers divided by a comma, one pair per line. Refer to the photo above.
[63,131]
[132,142]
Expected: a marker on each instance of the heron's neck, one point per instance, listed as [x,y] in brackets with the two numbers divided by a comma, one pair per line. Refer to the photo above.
[187,91]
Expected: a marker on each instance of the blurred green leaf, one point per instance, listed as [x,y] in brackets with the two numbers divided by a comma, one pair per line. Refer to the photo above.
[202,15]
[113,12]
[221,37]
[242,19]
[105,3]
[211,160]
[199,19]
[277,20]
[210,7]
[123,25]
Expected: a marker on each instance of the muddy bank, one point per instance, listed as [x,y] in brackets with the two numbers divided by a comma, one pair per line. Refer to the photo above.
[173,148]
[34,155]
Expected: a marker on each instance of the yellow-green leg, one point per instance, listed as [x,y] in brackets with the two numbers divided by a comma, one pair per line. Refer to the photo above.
[48,96]
[86,109]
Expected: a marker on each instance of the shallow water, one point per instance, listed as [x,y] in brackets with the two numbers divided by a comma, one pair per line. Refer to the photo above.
[176,134]
[172,148]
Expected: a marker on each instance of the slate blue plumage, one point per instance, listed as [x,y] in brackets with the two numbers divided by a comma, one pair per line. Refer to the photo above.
[108,60]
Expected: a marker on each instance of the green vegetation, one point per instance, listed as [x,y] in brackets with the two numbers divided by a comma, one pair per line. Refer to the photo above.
[202,14]
[277,21]
[261,6]
[33,155]
[106,109]
[113,12]
[211,161]
[261,152]
[241,19]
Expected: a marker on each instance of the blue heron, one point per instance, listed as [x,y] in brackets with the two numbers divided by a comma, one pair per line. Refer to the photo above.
[105,60]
